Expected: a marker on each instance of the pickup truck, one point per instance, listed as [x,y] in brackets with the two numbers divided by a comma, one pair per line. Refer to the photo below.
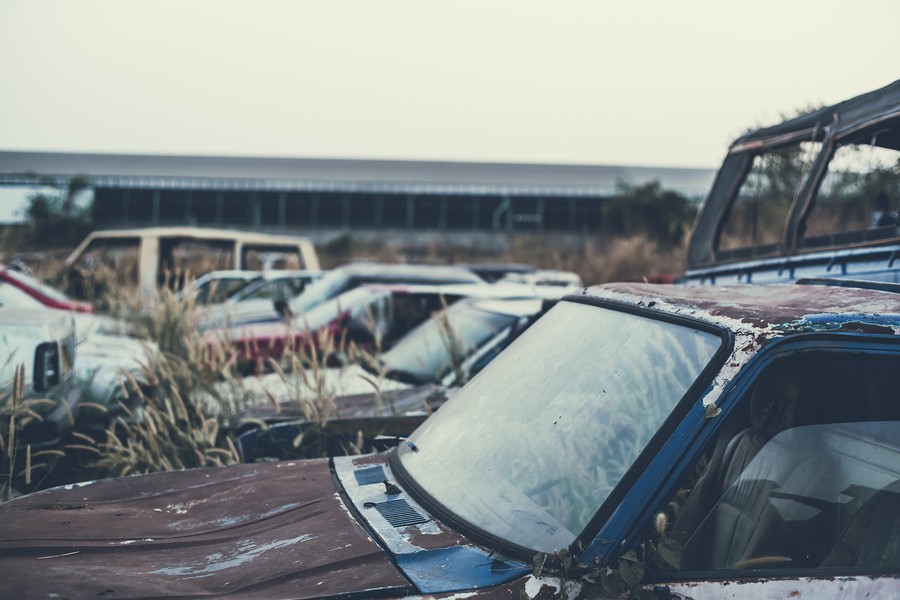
[814,196]
[150,257]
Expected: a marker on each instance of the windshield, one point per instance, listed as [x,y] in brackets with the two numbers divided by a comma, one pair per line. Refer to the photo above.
[530,448]
[426,353]
[353,302]
[324,289]
[217,291]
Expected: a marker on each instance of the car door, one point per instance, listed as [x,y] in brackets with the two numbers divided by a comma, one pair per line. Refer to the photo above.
[798,491]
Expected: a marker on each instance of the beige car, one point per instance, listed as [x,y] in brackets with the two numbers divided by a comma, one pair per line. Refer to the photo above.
[150,257]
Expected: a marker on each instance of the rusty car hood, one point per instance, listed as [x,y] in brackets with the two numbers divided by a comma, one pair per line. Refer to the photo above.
[276,530]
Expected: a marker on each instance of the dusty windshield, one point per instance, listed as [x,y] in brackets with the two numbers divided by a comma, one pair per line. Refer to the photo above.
[427,352]
[325,288]
[529,449]
[350,302]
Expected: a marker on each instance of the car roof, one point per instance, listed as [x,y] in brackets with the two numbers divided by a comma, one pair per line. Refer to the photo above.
[852,114]
[781,309]
[479,290]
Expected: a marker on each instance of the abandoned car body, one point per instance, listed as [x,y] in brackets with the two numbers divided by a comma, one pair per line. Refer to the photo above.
[694,441]
[333,284]
[39,344]
[152,256]
[392,395]
[21,290]
[815,196]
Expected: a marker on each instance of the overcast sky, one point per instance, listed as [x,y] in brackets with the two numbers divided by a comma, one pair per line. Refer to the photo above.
[639,83]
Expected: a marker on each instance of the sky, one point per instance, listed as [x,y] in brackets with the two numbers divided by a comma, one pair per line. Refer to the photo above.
[585,82]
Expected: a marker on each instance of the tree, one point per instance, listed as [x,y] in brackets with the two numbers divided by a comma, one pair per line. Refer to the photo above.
[55,215]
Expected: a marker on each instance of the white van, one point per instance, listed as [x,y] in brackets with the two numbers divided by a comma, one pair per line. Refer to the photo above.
[149,257]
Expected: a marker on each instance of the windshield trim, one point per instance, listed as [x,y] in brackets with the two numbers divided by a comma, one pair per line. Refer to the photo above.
[682,407]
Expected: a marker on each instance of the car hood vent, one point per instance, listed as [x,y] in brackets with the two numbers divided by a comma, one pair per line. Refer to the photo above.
[399,513]
[370,475]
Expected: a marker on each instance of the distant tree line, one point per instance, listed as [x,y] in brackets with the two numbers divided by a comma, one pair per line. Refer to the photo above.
[54,217]
[665,216]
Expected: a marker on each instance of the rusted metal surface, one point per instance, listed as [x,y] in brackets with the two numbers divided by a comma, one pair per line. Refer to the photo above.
[250,531]
[421,399]
[760,306]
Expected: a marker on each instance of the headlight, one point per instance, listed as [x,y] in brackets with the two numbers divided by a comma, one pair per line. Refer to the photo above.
[46,366]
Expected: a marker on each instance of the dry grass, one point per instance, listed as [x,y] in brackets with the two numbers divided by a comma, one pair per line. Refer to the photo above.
[596,259]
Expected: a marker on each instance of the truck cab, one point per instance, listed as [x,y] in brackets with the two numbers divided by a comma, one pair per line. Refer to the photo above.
[814,196]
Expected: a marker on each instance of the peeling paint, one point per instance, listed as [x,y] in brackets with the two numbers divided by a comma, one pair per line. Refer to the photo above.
[538,588]
[244,553]
[788,589]
[81,484]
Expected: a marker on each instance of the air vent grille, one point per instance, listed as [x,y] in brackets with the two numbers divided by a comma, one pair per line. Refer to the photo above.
[399,513]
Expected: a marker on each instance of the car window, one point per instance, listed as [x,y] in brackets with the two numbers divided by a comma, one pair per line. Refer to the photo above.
[759,212]
[441,344]
[859,195]
[119,257]
[217,291]
[805,474]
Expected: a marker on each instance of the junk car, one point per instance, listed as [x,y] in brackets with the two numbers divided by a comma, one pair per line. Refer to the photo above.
[391,394]
[678,441]
[154,256]
[333,284]
[218,287]
[815,196]
[22,290]
[373,317]
[43,344]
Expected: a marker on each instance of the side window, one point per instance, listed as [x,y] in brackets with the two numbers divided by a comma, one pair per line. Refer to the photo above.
[268,256]
[760,209]
[858,196]
[804,474]
[182,258]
